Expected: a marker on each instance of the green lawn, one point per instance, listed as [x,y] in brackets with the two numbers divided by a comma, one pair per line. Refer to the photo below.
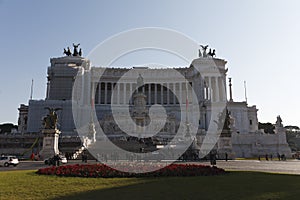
[233,185]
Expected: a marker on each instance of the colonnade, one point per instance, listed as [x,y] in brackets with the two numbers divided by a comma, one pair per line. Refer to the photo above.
[214,88]
[157,93]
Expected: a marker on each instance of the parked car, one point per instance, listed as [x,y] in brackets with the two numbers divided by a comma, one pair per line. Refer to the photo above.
[9,160]
[63,159]
[51,160]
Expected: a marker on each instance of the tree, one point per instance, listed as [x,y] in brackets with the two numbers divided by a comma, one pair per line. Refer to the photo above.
[292,127]
[268,127]
[7,127]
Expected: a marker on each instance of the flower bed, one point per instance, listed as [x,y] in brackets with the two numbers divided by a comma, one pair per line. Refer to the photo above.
[104,171]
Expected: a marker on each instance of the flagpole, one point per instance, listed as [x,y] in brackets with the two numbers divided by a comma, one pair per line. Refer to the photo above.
[245,91]
[31,89]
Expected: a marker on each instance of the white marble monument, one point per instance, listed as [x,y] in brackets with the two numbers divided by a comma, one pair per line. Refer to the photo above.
[50,134]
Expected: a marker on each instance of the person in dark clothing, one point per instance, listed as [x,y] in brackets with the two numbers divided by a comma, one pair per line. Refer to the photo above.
[278,156]
[83,157]
[56,159]
[212,157]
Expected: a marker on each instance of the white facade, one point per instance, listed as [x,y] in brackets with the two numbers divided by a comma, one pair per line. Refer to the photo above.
[206,76]
[248,140]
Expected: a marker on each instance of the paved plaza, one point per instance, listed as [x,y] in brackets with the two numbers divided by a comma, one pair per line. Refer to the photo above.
[285,167]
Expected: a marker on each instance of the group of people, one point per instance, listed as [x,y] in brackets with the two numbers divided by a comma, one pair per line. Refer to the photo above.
[270,157]
[213,157]
[34,156]
[53,160]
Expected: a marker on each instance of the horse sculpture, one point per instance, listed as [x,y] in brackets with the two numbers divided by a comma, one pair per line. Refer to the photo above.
[75,52]
[67,52]
[212,53]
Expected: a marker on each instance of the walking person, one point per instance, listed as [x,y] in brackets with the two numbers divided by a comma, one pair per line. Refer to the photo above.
[213,158]
[83,156]
[32,156]
[56,160]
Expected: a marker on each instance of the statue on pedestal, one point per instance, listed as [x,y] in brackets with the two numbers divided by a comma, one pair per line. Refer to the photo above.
[227,121]
[50,121]
[224,123]
[140,83]
[279,121]
[50,134]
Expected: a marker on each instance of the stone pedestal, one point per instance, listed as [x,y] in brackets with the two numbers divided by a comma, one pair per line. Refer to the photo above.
[225,147]
[50,143]
[92,132]
[139,113]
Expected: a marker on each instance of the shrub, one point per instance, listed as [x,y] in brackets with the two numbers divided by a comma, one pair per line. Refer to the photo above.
[104,171]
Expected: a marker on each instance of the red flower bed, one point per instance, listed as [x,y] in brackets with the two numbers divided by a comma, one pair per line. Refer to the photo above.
[104,171]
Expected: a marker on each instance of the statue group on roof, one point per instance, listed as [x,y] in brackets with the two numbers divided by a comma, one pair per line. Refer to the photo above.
[75,51]
[211,53]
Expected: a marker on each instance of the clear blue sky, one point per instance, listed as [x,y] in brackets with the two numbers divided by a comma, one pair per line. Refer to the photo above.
[258,38]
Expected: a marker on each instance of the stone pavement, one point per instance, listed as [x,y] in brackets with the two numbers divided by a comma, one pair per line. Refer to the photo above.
[286,167]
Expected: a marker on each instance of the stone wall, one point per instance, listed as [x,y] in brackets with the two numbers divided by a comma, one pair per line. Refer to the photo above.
[260,144]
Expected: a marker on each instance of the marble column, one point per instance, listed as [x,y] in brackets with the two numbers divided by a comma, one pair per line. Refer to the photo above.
[124,92]
[93,92]
[161,94]
[222,89]
[180,92]
[149,94]
[48,89]
[130,93]
[99,92]
[210,88]
[217,90]
[118,93]
[105,92]
[174,93]
[82,89]
[205,88]
[168,93]
[155,93]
